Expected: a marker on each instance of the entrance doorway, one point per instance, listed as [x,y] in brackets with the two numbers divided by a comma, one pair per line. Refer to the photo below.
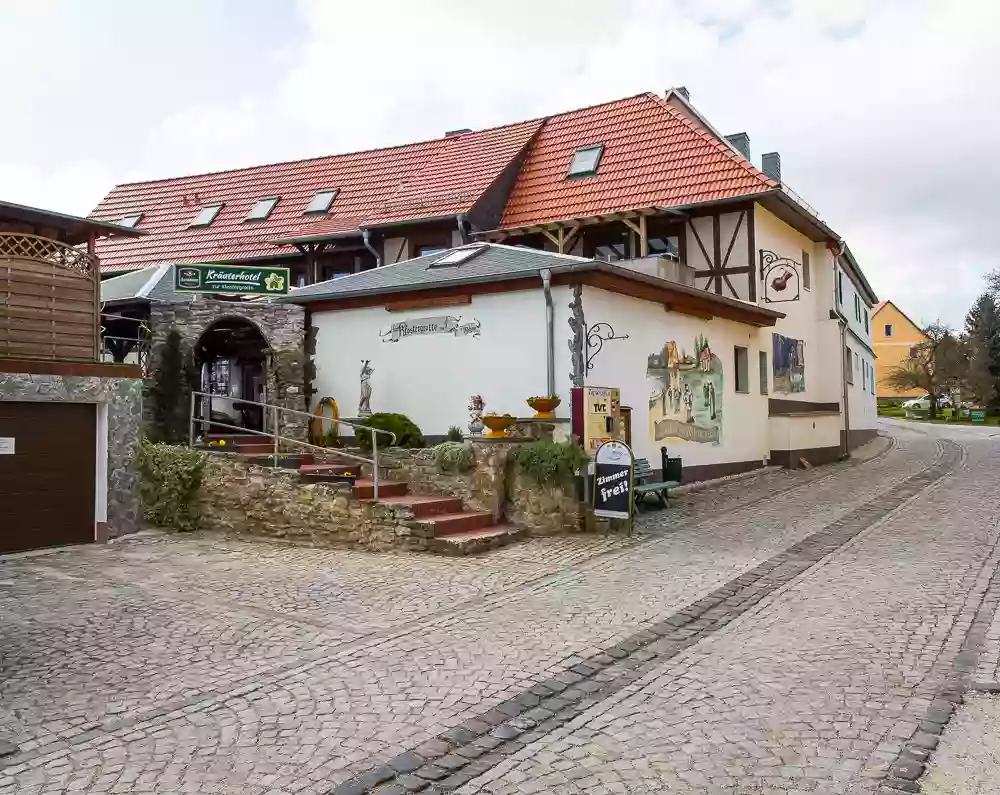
[231,359]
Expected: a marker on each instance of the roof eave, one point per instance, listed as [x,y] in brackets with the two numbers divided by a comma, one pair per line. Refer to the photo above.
[76,225]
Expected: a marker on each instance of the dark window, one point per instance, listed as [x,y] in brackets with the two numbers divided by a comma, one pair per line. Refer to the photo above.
[131,219]
[849,365]
[585,161]
[321,201]
[610,252]
[205,215]
[866,321]
[840,287]
[262,209]
[665,247]
[762,355]
[888,329]
[864,375]
[742,369]
[806,275]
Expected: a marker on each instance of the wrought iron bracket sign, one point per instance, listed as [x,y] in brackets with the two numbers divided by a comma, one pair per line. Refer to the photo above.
[445,324]
[781,278]
[597,335]
[230,279]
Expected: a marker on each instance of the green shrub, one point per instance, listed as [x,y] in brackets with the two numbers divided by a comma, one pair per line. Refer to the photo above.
[455,434]
[453,457]
[550,463]
[407,433]
[170,477]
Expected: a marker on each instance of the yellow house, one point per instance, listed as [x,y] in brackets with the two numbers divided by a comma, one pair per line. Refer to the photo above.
[893,337]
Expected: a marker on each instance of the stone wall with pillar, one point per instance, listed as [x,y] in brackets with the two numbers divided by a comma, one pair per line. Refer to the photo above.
[281,325]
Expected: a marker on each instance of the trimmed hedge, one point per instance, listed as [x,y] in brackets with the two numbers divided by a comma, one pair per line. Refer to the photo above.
[407,432]
[170,477]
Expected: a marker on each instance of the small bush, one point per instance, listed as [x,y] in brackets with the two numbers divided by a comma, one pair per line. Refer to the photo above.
[407,433]
[453,457]
[550,463]
[455,434]
[170,477]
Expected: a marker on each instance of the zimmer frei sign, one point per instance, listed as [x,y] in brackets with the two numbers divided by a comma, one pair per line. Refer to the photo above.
[208,278]
[614,480]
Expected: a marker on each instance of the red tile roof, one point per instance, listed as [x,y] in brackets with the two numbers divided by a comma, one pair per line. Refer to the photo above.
[653,155]
[421,180]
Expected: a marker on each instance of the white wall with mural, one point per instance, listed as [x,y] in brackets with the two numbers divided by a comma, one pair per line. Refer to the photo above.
[677,373]
[427,362]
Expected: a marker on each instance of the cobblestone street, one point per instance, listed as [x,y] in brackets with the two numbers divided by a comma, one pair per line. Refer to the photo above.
[793,632]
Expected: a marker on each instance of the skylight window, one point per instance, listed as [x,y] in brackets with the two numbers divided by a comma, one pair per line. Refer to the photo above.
[132,219]
[206,215]
[322,200]
[262,209]
[585,161]
[458,256]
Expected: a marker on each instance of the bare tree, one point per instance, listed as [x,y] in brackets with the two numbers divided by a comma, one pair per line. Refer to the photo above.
[934,365]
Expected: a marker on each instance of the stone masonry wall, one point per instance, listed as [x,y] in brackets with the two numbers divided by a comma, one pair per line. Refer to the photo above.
[123,397]
[282,326]
[491,485]
[245,498]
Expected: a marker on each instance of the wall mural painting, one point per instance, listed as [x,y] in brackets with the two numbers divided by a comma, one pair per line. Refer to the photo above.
[686,400]
[788,357]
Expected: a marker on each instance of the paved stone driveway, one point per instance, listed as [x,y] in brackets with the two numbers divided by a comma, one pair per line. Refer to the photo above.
[203,665]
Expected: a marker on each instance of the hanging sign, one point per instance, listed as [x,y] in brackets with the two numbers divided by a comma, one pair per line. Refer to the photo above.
[614,480]
[445,324]
[252,280]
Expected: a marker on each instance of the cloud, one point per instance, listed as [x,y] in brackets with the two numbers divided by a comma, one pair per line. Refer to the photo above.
[885,111]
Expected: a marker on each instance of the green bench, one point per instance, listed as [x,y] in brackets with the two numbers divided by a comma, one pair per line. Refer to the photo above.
[645,483]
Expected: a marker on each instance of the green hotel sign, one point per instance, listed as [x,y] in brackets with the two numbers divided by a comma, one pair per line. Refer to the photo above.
[208,278]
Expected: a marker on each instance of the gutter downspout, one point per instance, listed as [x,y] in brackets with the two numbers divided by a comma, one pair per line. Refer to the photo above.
[844,386]
[550,352]
[366,239]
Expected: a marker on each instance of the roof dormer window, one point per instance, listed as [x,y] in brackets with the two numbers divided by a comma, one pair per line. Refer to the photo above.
[262,209]
[132,219]
[585,161]
[205,215]
[321,201]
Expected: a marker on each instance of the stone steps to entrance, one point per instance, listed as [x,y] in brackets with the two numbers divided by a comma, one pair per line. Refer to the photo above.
[365,489]
[473,541]
[462,522]
[423,506]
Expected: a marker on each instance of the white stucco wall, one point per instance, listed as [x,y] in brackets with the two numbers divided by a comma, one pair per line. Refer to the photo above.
[431,377]
[622,364]
[805,432]
[862,403]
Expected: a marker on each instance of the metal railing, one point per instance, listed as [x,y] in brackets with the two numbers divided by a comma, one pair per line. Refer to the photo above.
[275,412]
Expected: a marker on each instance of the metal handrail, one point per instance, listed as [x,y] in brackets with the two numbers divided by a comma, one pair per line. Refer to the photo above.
[278,438]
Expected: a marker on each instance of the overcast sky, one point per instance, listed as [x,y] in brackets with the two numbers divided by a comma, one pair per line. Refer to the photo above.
[886,113]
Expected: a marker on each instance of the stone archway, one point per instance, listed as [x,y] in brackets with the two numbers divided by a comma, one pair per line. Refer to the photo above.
[231,359]
[280,325]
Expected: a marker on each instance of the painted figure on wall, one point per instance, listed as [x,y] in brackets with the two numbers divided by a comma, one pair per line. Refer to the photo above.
[788,357]
[364,405]
[686,396]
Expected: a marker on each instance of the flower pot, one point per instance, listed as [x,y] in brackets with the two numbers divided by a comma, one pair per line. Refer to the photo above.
[544,406]
[498,425]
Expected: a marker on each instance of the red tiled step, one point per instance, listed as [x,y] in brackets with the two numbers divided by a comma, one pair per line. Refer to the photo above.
[236,438]
[423,505]
[287,460]
[473,541]
[460,522]
[364,490]
[250,448]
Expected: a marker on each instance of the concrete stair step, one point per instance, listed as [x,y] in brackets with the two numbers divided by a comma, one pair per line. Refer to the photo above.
[250,448]
[460,522]
[285,460]
[236,438]
[424,505]
[364,489]
[472,541]
[326,477]
[331,469]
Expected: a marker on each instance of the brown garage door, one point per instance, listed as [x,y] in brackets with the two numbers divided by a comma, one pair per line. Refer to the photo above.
[47,485]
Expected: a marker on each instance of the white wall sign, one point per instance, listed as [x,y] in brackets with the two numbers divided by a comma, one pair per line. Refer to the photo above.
[6,445]
[446,324]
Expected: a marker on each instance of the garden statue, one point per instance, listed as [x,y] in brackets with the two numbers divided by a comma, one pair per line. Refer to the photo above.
[476,406]
[364,405]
